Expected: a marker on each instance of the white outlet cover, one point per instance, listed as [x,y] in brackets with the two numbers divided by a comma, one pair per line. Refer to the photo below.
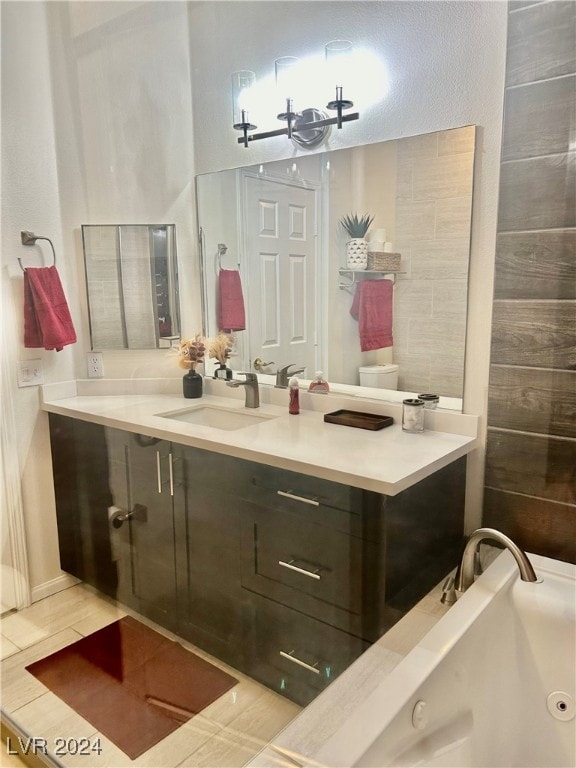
[95,365]
[30,373]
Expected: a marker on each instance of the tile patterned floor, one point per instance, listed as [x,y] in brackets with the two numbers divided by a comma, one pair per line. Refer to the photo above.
[227,733]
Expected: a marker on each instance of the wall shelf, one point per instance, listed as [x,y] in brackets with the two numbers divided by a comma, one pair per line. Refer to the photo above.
[366,273]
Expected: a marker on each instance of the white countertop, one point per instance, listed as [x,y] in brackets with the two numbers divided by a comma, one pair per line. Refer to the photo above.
[386,461]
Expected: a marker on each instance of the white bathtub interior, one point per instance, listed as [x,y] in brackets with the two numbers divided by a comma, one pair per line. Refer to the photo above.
[492,684]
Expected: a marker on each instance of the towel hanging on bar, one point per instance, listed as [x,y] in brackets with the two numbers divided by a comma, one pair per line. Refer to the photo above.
[47,320]
[231,313]
[372,307]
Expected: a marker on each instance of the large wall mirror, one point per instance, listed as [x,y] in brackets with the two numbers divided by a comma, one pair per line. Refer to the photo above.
[132,283]
[278,226]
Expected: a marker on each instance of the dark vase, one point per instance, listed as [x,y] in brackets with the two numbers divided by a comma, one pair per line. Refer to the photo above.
[223,372]
[192,384]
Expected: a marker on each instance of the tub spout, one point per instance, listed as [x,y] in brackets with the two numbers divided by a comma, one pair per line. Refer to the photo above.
[466,569]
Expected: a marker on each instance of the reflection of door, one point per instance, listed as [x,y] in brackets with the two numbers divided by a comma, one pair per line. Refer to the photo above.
[281,253]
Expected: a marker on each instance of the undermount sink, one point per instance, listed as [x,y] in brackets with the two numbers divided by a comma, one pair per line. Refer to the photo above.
[217,417]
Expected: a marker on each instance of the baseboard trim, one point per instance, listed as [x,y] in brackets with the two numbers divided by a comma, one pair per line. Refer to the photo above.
[61,582]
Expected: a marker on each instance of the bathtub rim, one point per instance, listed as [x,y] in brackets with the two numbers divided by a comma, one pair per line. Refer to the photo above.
[366,723]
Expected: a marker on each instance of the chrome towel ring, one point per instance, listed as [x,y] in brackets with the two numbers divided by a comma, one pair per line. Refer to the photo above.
[29,238]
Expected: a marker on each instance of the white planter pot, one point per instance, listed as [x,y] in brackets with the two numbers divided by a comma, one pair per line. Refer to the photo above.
[357,253]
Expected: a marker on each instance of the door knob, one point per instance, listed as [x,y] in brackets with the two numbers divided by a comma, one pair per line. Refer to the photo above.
[138,512]
[259,364]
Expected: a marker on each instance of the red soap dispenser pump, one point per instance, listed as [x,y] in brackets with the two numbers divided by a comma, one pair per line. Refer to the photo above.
[294,407]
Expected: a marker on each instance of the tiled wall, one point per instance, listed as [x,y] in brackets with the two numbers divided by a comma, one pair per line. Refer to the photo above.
[530,479]
[433,208]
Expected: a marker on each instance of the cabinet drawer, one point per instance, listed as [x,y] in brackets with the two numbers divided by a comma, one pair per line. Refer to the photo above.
[289,560]
[312,498]
[294,654]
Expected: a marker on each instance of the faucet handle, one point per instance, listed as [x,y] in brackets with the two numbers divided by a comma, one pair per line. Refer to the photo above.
[449,595]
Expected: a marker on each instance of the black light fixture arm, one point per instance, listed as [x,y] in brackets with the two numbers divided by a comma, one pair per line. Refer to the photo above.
[339,104]
[289,116]
[301,127]
[244,125]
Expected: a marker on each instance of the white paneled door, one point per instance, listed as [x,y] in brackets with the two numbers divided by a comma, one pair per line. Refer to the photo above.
[280,252]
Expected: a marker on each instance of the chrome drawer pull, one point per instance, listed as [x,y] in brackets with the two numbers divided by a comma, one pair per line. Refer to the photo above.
[303,571]
[290,656]
[171,470]
[158,472]
[303,499]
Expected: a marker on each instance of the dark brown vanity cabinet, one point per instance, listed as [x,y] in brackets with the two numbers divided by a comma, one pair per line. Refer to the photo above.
[331,568]
[154,525]
[287,577]
[155,491]
[207,537]
[85,468]
[115,510]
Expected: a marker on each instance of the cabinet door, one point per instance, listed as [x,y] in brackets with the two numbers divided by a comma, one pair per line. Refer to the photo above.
[208,550]
[151,492]
[88,482]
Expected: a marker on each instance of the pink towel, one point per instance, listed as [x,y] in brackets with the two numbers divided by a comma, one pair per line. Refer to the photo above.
[47,321]
[231,315]
[372,307]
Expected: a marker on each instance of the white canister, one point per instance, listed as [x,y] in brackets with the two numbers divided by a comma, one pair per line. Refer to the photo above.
[413,415]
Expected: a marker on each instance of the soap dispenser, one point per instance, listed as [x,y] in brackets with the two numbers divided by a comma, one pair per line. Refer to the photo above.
[319,384]
[294,406]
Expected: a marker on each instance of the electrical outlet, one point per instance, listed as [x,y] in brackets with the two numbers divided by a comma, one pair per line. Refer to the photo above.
[95,365]
[30,373]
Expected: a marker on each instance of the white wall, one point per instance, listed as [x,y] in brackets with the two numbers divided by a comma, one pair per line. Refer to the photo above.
[98,128]
[30,202]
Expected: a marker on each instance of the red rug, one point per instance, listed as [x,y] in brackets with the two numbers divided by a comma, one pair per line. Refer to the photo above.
[131,683]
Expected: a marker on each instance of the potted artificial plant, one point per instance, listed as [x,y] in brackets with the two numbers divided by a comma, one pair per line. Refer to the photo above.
[357,247]
[190,354]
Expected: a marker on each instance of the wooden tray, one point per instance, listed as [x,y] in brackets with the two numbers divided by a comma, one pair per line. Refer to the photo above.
[358,419]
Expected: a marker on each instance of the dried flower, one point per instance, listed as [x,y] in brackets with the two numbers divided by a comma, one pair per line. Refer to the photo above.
[220,347]
[191,352]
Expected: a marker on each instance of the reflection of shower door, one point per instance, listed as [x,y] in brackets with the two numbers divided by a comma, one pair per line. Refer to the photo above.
[280,251]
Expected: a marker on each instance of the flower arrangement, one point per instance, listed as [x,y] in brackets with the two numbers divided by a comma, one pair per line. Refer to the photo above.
[220,347]
[191,352]
[356,226]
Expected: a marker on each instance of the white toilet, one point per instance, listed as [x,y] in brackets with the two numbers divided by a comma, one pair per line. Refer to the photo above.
[379,376]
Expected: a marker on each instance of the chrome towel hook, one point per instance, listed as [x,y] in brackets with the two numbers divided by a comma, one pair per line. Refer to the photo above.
[29,238]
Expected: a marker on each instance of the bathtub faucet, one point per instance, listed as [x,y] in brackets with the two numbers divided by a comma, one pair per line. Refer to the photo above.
[466,570]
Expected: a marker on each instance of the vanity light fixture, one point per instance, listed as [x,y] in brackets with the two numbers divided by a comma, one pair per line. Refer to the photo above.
[308,127]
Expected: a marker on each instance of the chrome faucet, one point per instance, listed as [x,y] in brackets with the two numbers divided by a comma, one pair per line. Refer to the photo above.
[283,374]
[453,587]
[250,389]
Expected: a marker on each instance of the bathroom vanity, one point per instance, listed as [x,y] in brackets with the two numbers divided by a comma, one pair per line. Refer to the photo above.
[287,575]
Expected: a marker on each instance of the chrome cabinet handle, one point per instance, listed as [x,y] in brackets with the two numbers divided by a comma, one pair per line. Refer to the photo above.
[290,656]
[303,499]
[159,471]
[290,564]
[170,472]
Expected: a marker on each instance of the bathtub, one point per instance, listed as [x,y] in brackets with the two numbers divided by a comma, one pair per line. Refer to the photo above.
[491,684]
